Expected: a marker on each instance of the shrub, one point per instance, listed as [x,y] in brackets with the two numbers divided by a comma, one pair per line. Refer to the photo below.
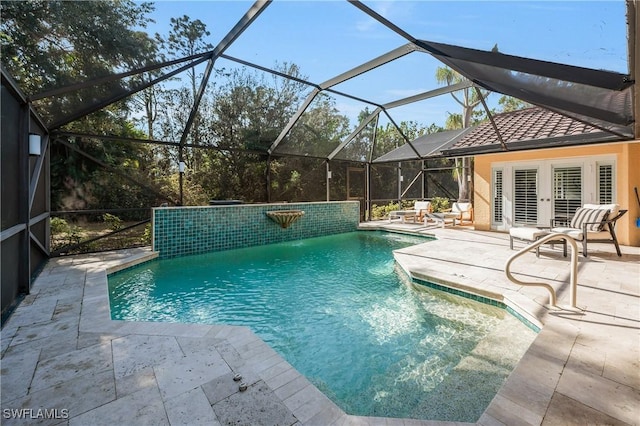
[379,212]
[439,204]
[59,226]
[113,222]
[146,237]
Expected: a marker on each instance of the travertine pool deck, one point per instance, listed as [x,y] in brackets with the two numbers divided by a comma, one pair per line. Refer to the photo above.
[61,351]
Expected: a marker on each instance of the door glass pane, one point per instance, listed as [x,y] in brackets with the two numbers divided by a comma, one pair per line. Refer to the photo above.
[497,196]
[605,183]
[525,200]
[567,191]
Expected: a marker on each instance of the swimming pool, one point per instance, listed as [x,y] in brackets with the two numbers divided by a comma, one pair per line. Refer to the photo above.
[339,310]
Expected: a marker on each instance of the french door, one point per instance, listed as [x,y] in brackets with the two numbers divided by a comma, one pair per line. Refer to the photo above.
[534,192]
[546,192]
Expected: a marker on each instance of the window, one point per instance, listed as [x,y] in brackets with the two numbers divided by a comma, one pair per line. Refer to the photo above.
[497,196]
[525,202]
[567,191]
[605,184]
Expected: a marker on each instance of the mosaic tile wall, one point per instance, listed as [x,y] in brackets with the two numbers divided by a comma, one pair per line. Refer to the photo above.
[181,231]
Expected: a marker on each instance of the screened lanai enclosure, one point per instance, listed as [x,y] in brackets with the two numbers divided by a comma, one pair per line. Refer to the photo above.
[92,142]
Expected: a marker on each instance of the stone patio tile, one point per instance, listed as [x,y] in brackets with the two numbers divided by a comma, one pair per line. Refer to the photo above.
[191,409]
[76,396]
[135,382]
[614,399]
[296,385]
[89,339]
[144,407]
[327,415]
[136,352]
[17,372]
[283,378]
[178,375]
[50,346]
[262,363]
[165,329]
[67,326]
[509,413]
[64,367]
[230,355]
[304,395]
[527,393]
[623,367]
[241,337]
[257,406]
[222,387]
[309,403]
[563,407]
[347,420]
[70,290]
[37,312]
[275,370]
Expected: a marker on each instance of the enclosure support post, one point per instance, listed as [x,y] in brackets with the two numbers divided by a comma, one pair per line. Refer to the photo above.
[367,201]
[181,173]
[422,180]
[268,178]
[328,180]
[400,185]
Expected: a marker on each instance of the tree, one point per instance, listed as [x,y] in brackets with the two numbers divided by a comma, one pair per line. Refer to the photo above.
[186,39]
[469,100]
[50,44]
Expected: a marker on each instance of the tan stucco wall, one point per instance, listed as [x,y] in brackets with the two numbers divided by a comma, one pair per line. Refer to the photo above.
[627,174]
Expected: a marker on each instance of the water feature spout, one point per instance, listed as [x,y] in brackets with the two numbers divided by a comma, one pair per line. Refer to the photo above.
[285,218]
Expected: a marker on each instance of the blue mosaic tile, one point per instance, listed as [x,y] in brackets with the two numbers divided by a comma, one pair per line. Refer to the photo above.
[480,299]
[182,231]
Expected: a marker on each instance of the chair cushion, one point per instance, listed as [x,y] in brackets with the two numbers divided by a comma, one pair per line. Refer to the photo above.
[574,233]
[595,218]
[613,208]
[422,205]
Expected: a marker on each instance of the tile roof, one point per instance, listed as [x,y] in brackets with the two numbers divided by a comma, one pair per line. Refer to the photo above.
[530,124]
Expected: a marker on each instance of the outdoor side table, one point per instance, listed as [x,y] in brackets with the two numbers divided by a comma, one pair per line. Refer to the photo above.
[403,215]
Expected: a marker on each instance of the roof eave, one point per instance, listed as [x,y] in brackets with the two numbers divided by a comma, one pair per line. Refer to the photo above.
[533,144]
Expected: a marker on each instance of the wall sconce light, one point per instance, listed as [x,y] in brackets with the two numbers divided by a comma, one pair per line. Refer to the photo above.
[401,178]
[181,167]
[468,178]
[329,174]
[34,144]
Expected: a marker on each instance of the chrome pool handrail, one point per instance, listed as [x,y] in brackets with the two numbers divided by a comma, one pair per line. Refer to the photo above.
[573,280]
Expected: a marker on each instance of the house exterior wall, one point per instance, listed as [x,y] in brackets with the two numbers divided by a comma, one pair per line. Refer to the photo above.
[627,171]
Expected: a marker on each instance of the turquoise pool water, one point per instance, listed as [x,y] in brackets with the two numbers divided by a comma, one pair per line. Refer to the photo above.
[339,310]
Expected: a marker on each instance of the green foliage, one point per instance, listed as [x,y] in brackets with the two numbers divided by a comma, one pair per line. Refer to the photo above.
[146,236]
[113,222]
[381,212]
[63,234]
[59,225]
[51,44]
[439,204]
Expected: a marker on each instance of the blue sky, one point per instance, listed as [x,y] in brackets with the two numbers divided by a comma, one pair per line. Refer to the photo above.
[326,38]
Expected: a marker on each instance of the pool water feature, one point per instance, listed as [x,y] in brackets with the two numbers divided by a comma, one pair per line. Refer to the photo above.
[343,314]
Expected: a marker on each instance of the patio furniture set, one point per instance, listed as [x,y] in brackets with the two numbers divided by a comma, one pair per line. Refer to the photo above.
[422,212]
[593,223]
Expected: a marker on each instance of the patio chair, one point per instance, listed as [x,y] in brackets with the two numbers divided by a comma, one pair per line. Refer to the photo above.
[422,208]
[593,223]
[464,212]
